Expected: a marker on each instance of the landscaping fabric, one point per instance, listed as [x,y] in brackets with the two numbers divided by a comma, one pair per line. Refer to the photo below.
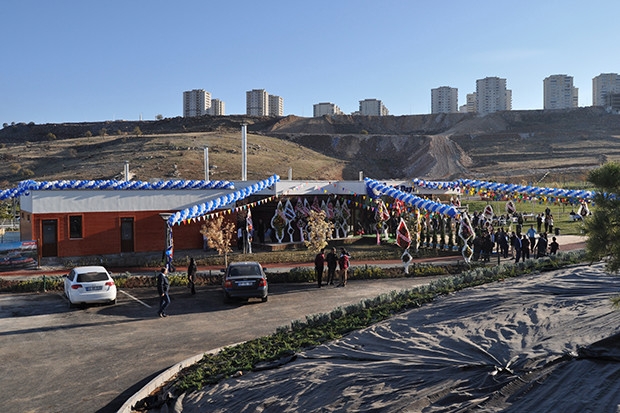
[545,342]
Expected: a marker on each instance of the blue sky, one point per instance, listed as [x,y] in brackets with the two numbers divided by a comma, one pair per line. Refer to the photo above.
[75,61]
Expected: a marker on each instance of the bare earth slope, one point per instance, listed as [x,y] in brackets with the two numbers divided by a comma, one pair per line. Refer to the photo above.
[512,146]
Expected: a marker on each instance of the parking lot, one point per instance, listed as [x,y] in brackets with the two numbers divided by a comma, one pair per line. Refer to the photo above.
[57,359]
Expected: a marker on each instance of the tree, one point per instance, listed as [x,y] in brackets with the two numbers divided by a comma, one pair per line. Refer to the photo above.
[159,116]
[603,227]
[319,230]
[218,235]
[137,131]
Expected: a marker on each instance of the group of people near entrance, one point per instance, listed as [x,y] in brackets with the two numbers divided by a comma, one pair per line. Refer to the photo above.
[336,265]
[519,246]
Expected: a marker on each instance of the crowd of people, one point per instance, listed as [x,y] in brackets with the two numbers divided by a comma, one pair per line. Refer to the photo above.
[518,245]
[337,266]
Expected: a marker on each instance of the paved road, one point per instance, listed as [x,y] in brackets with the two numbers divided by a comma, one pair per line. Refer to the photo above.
[92,360]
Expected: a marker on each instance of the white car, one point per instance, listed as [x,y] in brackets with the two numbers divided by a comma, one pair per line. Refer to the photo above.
[92,284]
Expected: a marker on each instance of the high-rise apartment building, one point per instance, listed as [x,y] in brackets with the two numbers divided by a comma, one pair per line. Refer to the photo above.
[470,104]
[444,99]
[373,107]
[260,103]
[196,102]
[492,95]
[559,92]
[217,108]
[325,108]
[602,85]
[276,106]
[257,102]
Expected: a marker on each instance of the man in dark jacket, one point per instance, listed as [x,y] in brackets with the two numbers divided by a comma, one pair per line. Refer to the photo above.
[163,287]
[332,263]
[319,267]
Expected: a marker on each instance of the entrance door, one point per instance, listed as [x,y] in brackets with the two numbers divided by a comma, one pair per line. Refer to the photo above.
[49,238]
[126,234]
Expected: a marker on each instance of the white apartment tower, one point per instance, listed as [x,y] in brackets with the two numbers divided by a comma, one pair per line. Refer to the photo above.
[470,105]
[444,99]
[325,108]
[602,85]
[276,106]
[217,108]
[373,107]
[559,92]
[257,102]
[492,95]
[196,102]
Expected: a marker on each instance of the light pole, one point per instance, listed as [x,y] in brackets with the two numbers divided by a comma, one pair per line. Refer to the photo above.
[169,251]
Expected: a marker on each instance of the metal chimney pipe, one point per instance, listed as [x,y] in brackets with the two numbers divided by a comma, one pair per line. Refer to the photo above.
[206,163]
[244,152]
[126,171]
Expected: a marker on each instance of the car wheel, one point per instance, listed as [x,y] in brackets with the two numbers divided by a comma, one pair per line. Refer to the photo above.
[264,299]
[227,298]
[113,302]
[70,304]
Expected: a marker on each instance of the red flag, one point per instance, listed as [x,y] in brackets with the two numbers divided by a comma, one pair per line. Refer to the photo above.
[403,238]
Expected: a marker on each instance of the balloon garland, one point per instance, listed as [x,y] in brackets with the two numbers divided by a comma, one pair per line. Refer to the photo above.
[413,200]
[24,186]
[202,209]
[574,194]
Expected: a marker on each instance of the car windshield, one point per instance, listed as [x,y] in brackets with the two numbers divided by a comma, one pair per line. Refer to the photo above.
[87,277]
[241,270]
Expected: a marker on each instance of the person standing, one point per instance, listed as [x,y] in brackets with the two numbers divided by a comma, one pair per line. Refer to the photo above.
[191,275]
[163,287]
[319,267]
[515,240]
[554,246]
[541,245]
[531,234]
[525,248]
[332,263]
[550,224]
[343,263]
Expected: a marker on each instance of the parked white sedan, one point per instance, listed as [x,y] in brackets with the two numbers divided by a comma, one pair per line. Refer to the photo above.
[92,284]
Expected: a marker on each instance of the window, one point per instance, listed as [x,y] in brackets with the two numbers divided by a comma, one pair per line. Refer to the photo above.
[75,226]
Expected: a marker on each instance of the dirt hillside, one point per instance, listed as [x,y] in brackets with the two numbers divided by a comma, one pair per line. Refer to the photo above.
[513,146]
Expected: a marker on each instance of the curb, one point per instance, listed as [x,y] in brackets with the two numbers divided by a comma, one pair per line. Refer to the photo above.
[164,377]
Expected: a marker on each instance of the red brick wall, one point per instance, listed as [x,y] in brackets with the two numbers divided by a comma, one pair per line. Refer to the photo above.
[101,233]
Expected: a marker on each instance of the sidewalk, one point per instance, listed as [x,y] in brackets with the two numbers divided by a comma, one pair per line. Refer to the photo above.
[567,243]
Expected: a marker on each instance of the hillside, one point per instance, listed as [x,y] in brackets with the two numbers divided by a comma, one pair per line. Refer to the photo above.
[512,146]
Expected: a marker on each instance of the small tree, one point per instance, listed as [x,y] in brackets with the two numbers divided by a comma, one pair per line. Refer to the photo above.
[603,226]
[218,235]
[159,116]
[319,229]
[137,131]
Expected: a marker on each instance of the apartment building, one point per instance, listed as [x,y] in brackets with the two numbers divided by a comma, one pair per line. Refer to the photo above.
[196,102]
[276,106]
[492,95]
[325,108]
[373,107]
[602,85]
[257,102]
[444,99]
[559,92]
[218,108]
